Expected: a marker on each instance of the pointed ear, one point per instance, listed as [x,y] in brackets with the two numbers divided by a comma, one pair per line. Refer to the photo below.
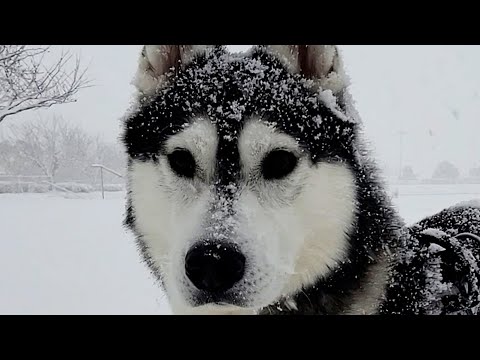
[318,62]
[156,60]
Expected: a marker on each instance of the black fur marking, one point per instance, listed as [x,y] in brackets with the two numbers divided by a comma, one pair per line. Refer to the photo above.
[230,92]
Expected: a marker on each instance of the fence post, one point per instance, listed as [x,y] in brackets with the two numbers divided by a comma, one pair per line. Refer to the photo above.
[101,178]
[101,175]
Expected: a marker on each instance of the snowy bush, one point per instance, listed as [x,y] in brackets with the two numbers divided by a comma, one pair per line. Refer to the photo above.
[408,174]
[22,187]
[446,171]
[13,187]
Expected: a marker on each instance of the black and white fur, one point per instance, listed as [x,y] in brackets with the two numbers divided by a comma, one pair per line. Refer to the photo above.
[324,239]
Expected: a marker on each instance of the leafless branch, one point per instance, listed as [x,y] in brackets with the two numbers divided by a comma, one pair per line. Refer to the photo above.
[26,83]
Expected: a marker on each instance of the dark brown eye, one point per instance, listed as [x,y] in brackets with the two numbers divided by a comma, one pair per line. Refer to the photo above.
[278,164]
[182,163]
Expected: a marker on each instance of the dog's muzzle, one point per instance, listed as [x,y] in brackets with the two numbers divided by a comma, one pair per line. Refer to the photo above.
[214,267]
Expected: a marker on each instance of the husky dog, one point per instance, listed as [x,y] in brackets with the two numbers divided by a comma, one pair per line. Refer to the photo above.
[250,192]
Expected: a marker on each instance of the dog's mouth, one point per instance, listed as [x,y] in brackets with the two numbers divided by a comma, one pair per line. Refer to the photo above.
[220,308]
[225,299]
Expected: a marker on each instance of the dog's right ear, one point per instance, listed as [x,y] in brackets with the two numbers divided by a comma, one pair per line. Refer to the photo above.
[320,62]
[156,60]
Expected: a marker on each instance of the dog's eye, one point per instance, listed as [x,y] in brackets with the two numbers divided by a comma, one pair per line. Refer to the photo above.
[182,163]
[278,164]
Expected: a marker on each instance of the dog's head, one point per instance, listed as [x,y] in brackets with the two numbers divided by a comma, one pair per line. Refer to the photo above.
[240,181]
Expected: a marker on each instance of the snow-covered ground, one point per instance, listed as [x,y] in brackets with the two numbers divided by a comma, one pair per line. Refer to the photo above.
[70,255]
[417,201]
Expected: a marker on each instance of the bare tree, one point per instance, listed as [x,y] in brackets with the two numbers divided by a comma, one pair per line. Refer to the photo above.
[9,160]
[59,150]
[475,172]
[26,83]
[51,146]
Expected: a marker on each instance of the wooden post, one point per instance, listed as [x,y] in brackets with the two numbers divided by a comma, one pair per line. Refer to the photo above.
[101,178]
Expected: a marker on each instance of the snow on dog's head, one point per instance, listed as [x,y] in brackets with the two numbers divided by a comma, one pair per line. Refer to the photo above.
[240,181]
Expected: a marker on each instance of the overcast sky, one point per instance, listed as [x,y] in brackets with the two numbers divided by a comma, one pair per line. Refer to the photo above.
[430,92]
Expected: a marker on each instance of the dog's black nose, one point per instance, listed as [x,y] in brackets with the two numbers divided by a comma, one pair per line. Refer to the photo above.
[214,267]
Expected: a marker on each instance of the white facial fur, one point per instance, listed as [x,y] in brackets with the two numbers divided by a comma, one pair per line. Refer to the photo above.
[291,231]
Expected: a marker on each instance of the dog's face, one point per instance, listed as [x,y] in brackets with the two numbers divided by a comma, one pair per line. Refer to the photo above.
[240,181]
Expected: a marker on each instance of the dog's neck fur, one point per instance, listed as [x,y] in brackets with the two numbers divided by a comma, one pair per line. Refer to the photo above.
[368,297]
[360,295]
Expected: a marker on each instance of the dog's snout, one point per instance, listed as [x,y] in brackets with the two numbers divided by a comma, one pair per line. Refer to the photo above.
[214,267]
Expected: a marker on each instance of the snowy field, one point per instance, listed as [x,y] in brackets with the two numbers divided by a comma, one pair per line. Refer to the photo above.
[70,255]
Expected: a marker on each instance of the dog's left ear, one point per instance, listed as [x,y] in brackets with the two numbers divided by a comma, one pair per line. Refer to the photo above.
[318,62]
